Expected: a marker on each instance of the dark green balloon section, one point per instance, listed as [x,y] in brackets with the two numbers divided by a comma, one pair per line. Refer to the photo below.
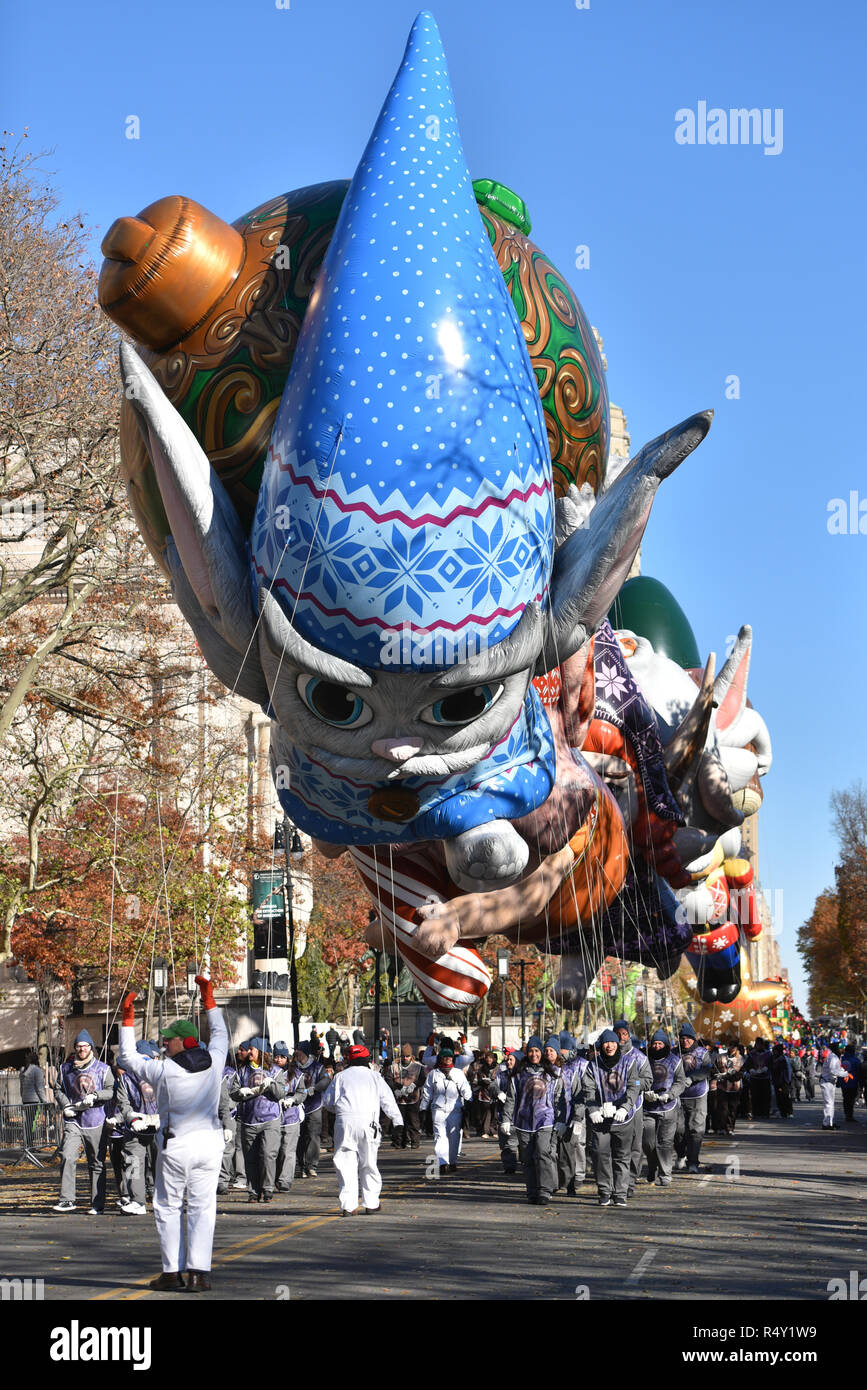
[644,606]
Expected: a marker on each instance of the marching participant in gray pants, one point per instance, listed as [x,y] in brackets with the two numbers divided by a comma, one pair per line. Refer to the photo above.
[645,1083]
[692,1116]
[134,1124]
[661,1105]
[258,1091]
[572,1145]
[610,1090]
[83,1089]
[292,1114]
[498,1087]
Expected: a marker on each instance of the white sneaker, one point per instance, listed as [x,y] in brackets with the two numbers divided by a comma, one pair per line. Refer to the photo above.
[240,1182]
[95,1211]
[64,1206]
[135,1209]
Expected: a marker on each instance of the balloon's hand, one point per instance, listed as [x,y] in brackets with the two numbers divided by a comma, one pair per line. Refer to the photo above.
[379,937]
[438,929]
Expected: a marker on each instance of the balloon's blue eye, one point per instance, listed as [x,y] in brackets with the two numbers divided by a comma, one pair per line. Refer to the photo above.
[465,706]
[333,703]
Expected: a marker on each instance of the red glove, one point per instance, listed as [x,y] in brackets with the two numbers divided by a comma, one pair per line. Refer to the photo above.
[127,1015]
[207,990]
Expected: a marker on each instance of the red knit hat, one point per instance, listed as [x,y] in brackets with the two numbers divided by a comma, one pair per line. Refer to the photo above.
[357,1053]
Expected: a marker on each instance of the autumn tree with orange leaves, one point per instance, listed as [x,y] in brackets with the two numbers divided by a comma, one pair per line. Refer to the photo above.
[833,941]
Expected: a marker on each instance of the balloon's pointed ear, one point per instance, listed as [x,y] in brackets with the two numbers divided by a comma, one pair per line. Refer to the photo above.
[209,548]
[730,686]
[592,564]
[240,672]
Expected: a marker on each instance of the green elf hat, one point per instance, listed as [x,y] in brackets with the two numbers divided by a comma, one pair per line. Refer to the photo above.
[181,1029]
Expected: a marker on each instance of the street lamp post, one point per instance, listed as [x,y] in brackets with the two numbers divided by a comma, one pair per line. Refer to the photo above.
[523,1004]
[292,849]
[192,972]
[159,984]
[503,972]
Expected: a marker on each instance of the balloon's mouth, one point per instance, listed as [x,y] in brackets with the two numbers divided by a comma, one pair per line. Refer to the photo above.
[383,769]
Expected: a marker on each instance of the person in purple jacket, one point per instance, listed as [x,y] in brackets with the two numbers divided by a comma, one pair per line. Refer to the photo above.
[292,1113]
[498,1090]
[232,1149]
[692,1115]
[258,1089]
[134,1126]
[572,1146]
[84,1087]
[317,1080]
[661,1105]
[611,1088]
[537,1110]
[645,1082]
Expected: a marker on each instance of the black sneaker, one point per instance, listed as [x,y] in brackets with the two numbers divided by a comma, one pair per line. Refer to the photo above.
[620,1201]
[604,1201]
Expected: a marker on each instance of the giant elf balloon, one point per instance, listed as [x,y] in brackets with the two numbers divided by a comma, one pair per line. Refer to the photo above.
[365,419]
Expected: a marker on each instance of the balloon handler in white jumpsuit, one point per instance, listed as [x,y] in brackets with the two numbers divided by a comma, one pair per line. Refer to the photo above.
[446,1092]
[190,1142]
[356,1096]
[832,1072]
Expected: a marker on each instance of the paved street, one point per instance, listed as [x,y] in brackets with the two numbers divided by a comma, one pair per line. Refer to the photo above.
[777,1212]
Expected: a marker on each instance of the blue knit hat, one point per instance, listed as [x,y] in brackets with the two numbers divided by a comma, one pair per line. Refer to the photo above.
[608,1035]
[553,1042]
[409,292]
[621,1023]
[84,1037]
[280,1050]
[567,1042]
[535,1041]
[661,1036]
[686,1030]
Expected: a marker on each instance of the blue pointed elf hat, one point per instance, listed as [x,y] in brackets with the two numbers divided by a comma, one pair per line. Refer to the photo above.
[408,486]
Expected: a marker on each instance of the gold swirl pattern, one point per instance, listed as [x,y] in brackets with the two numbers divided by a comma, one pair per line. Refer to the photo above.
[564,355]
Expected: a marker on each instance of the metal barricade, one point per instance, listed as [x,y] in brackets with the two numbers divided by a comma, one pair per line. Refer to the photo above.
[29,1131]
[10,1088]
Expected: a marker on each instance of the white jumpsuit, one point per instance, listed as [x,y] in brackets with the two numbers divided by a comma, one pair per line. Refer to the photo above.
[356,1097]
[188,1166]
[446,1094]
[831,1069]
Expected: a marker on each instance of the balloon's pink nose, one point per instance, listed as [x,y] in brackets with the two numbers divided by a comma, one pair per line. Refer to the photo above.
[397,750]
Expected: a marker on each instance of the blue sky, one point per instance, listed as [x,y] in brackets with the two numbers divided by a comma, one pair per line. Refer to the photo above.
[706,261]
